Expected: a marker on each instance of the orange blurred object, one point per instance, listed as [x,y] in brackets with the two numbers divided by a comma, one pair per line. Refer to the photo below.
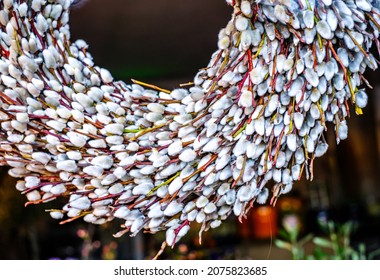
[264,222]
[260,223]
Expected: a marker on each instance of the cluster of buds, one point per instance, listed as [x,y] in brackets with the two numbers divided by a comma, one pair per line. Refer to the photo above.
[250,125]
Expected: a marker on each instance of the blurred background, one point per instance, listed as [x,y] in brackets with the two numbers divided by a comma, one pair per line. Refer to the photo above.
[165,42]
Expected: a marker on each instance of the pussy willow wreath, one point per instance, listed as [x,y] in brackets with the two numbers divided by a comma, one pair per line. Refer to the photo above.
[248,128]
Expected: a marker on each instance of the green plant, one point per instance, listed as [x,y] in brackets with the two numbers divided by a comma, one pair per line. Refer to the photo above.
[335,244]
[291,238]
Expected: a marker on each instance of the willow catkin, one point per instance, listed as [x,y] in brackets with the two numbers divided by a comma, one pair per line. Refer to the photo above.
[162,160]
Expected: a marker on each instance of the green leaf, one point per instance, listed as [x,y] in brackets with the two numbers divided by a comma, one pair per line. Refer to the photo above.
[347,229]
[362,251]
[283,245]
[293,235]
[374,254]
[355,256]
[319,254]
[297,253]
[306,239]
[322,242]
[283,234]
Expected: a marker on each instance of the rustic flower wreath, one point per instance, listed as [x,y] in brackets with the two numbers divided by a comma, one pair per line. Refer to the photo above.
[162,160]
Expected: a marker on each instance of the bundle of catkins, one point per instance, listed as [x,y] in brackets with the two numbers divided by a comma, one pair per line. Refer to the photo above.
[250,125]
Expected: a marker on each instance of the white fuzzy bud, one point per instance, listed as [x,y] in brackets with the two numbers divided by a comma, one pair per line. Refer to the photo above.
[173,208]
[175,185]
[105,162]
[241,23]
[116,129]
[44,158]
[67,165]
[262,196]
[33,196]
[188,155]
[49,59]
[80,202]
[106,76]
[56,215]
[95,171]
[122,212]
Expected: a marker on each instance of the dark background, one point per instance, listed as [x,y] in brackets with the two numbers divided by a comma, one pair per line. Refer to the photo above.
[165,42]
